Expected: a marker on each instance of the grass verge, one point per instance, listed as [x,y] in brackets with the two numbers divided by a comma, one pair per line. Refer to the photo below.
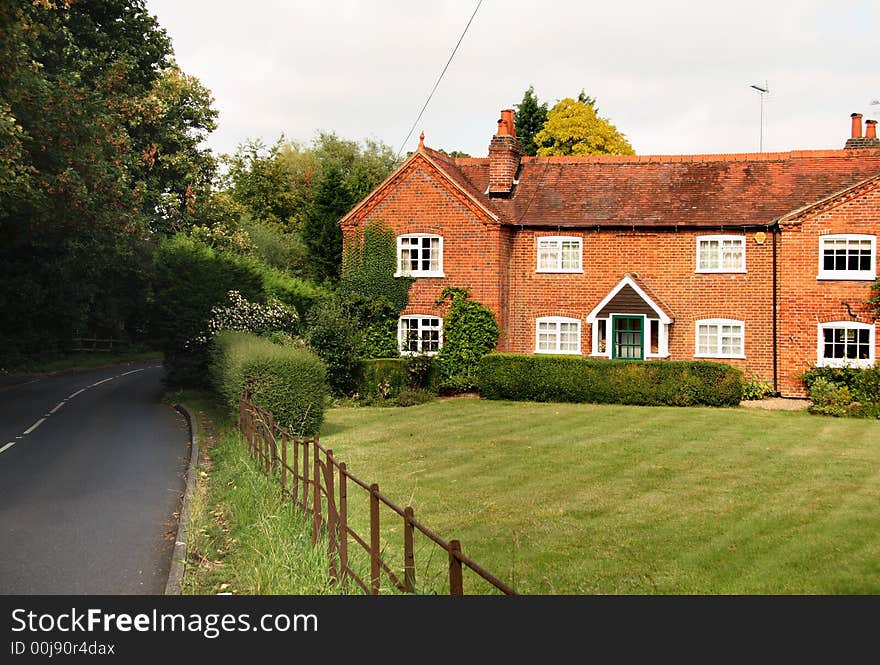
[242,539]
[602,499]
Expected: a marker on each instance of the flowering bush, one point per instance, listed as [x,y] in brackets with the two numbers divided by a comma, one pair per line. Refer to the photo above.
[244,316]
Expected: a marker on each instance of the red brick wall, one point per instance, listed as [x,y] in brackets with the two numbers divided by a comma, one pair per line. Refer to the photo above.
[420,201]
[665,261]
[804,300]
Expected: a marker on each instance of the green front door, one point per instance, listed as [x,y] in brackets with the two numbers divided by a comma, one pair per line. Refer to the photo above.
[628,333]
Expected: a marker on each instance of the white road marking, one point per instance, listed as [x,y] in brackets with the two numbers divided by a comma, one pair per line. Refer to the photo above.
[7,446]
[134,371]
[57,406]
[76,393]
[104,381]
[34,426]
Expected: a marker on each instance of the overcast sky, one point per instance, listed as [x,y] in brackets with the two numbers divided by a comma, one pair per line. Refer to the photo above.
[673,76]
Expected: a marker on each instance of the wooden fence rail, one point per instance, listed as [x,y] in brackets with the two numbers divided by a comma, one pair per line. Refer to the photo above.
[316,483]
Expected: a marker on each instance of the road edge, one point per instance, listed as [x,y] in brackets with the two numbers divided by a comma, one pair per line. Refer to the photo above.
[178,556]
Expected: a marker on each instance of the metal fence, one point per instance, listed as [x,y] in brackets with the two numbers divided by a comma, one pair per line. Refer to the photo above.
[316,483]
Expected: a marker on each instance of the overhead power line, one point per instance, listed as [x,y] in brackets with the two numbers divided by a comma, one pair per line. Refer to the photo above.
[439,78]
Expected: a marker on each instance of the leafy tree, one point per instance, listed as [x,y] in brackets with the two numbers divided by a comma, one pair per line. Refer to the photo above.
[574,128]
[529,118]
[259,181]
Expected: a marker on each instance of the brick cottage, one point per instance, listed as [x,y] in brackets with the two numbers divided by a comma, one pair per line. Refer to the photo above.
[764,261]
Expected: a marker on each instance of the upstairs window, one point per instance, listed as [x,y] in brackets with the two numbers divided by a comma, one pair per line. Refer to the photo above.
[559,254]
[721,254]
[848,256]
[720,338]
[846,344]
[557,334]
[418,334]
[420,255]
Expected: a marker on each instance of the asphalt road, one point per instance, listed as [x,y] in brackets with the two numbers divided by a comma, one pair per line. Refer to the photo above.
[90,484]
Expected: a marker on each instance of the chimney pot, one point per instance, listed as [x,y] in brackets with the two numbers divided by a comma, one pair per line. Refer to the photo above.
[505,154]
[856,125]
[870,129]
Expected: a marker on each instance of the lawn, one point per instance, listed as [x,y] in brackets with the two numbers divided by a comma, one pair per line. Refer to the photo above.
[589,499]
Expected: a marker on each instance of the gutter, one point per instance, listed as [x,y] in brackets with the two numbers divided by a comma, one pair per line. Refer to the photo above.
[775,315]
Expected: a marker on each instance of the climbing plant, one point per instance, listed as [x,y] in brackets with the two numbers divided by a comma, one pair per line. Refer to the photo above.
[469,332]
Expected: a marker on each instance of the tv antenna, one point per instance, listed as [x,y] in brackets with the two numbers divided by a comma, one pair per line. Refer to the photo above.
[762,90]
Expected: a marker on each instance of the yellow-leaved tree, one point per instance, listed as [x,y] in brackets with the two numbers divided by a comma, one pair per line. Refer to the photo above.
[574,128]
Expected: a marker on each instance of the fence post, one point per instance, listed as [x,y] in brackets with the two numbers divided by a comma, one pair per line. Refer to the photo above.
[272,441]
[295,494]
[455,581]
[374,539]
[332,545]
[409,560]
[283,463]
[305,478]
[316,497]
[343,521]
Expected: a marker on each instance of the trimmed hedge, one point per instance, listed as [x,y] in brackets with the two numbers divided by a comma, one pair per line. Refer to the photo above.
[290,382]
[547,378]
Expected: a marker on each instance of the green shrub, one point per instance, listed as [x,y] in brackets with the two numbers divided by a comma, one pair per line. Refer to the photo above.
[829,398]
[755,388]
[413,396]
[190,279]
[333,334]
[866,387]
[548,378]
[289,382]
[841,376]
[388,378]
[469,333]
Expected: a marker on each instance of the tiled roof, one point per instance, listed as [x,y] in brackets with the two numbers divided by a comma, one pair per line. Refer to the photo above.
[680,190]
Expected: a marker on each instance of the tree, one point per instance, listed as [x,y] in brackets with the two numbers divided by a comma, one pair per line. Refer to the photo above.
[529,119]
[574,128]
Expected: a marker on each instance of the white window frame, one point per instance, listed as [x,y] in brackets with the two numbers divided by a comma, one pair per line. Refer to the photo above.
[558,240]
[647,337]
[720,345]
[720,239]
[557,320]
[822,361]
[403,271]
[862,275]
[401,338]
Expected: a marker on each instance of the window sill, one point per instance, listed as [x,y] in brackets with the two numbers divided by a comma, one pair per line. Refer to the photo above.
[707,271]
[861,364]
[558,353]
[549,271]
[846,276]
[720,357]
[425,273]
[409,354]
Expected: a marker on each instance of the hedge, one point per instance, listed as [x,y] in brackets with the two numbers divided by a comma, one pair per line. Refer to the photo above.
[548,378]
[386,377]
[290,382]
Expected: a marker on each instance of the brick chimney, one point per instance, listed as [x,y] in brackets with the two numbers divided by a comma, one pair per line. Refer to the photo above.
[856,140]
[505,153]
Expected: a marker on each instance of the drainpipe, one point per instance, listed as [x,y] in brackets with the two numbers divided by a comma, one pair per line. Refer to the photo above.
[775,315]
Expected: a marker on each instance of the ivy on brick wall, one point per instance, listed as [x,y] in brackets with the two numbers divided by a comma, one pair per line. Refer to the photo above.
[874,302]
[370,289]
[469,332]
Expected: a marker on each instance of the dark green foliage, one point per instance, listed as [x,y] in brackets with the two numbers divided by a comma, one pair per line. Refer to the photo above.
[529,119]
[755,388]
[333,334]
[320,229]
[393,378]
[370,289]
[298,293]
[191,278]
[839,391]
[278,248]
[541,378]
[874,300]
[830,399]
[260,182]
[288,382]
[469,333]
